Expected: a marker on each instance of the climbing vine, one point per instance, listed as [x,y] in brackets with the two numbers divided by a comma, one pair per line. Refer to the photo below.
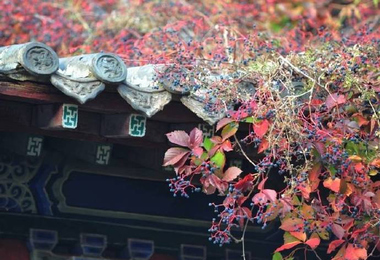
[296,85]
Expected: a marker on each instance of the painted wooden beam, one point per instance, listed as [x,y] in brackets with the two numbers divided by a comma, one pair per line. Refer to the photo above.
[133,125]
[92,152]
[57,116]
[15,112]
[107,102]
[66,117]
[22,143]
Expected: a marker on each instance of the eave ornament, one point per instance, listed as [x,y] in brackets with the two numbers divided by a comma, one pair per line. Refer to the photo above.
[143,91]
[84,77]
[33,61]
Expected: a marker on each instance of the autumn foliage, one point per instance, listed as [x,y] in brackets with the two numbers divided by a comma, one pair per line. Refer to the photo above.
[298,83]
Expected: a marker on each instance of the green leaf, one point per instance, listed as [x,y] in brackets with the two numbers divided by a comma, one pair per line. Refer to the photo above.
[219,159]
[207,144]
[376,3]
[277,256]
[229,130]
[249,119]
[352,148]
[332,170]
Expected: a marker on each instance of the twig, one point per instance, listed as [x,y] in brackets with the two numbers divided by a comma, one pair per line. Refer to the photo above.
[242,151]
[300,71]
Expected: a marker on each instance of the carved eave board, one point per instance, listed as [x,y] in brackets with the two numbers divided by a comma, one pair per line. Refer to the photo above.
[84,77]
[143,91]
[200,109]
[30,61]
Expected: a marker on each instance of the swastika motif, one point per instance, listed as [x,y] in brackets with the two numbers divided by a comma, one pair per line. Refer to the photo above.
[137,125]
[103,154]
[34,146]
[236,162]
[70,116]
[208,130]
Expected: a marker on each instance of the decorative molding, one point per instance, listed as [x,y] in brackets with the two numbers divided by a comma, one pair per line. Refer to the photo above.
[81,91]
[69,116]
[93,244]
[149,103]
[140,249]
[38,187]
[84,77]
[137,125]
[34,146]
[15,194]
[200,110]
[30,61]
[43,240]
[103,154]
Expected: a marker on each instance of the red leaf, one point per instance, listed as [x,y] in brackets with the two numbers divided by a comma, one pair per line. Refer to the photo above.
[314,241]
[216,139]
[209,190]
[223,122]
[305,190]
[261,184]
[196,138]
[231,173]
[376,163]
[359,167]
[226,146]
[241,200]
[338,231]
[259,198]
[217,183]
[292,224]
[355,253]
[314,176]
[334,244]
[245,183]
[288,246]
[179,137]
[361,120]
[247,212]
[197,151]
[261,128]
[335,99]
[263,145]
[332,184]
[174,155]
[270,194]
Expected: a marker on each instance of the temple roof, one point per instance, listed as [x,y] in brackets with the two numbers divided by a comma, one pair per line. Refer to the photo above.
[84,77]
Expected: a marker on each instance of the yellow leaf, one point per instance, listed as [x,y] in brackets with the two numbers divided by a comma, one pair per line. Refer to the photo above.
[355,158]
[373,172]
